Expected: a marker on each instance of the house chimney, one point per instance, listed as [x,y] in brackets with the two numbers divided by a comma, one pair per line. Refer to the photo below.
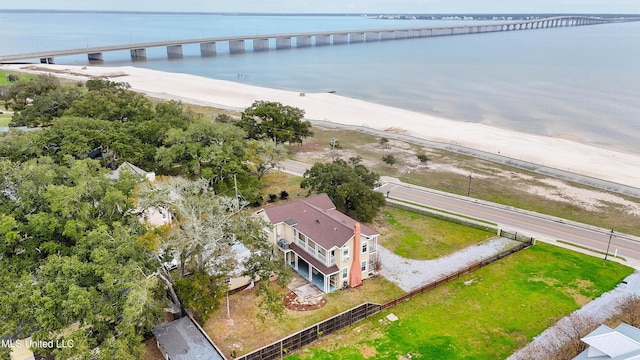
[355,278]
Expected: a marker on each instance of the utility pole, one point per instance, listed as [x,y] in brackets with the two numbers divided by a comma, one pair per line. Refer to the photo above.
[334,142]
[607,253]
[469,188]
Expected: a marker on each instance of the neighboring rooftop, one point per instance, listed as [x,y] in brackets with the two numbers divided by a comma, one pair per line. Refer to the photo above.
[127,166]
[182,339]
[623,343]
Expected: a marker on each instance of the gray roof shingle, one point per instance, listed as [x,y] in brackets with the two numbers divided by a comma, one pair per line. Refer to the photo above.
[182,340]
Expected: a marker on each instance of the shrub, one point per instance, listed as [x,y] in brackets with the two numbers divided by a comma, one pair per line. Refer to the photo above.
[389,159]
[284,195]
[273,198]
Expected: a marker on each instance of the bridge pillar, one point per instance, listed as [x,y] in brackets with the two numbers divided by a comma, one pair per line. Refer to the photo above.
[340,39]
[208,49]
[236,46]
[323,40]
[356,37]
[95,56]
[47,60]
[387,35]
[174,51]
[400,34]
[303,41]
[283,43]
[138,54]
[372,36]
[260,44]
[425,32]
[442,31]
[412,33]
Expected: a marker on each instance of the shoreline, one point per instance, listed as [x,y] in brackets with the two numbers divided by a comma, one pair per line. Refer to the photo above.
[559,153]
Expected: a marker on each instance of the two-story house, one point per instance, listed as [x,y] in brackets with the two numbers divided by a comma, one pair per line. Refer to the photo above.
[327,247]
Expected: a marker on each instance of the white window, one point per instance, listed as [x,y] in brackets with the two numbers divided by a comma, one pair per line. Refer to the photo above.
[345,273]
[363,266]
[345,254]
[364,246]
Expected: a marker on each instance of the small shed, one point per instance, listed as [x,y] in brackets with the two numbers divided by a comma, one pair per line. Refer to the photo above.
[183,339]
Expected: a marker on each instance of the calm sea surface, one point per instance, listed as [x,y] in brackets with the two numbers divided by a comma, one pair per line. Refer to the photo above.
[581,83]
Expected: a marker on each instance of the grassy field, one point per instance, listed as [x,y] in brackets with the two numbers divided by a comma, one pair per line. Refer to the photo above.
[500,309]
[447,171]
[421,237]
[274,182]
[21,77]
[5,119]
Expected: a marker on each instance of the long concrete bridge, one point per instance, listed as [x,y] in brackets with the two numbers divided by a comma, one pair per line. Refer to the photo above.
[286,41]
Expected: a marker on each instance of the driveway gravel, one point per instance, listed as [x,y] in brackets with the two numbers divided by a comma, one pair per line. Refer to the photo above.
[411,274]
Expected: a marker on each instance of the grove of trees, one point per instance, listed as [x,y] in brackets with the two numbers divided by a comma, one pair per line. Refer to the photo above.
[76,261]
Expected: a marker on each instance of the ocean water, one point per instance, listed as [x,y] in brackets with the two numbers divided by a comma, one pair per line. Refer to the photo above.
[580,83]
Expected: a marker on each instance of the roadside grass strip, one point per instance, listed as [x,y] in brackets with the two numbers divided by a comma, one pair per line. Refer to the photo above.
[418,236]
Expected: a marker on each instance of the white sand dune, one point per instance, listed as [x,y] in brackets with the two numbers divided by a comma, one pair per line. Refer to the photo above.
[606,164]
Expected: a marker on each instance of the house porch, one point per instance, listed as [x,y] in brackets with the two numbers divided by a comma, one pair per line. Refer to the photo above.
[312,271]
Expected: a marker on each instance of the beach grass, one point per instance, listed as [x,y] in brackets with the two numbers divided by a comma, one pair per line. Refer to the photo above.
[449,172]
[421,237]
[488,314]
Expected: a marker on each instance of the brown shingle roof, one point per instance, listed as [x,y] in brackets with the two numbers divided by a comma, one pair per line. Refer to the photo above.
[317,218]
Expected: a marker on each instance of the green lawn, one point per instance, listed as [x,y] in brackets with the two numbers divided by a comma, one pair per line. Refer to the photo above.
[5,119]
[416,236]
[500,311]
[21,77]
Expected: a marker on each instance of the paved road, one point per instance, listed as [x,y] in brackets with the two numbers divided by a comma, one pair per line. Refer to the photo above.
[543,227]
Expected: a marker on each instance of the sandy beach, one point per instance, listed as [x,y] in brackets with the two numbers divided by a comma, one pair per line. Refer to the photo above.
[615,166]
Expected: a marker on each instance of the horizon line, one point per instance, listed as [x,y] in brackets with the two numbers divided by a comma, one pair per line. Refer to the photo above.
[307,13]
